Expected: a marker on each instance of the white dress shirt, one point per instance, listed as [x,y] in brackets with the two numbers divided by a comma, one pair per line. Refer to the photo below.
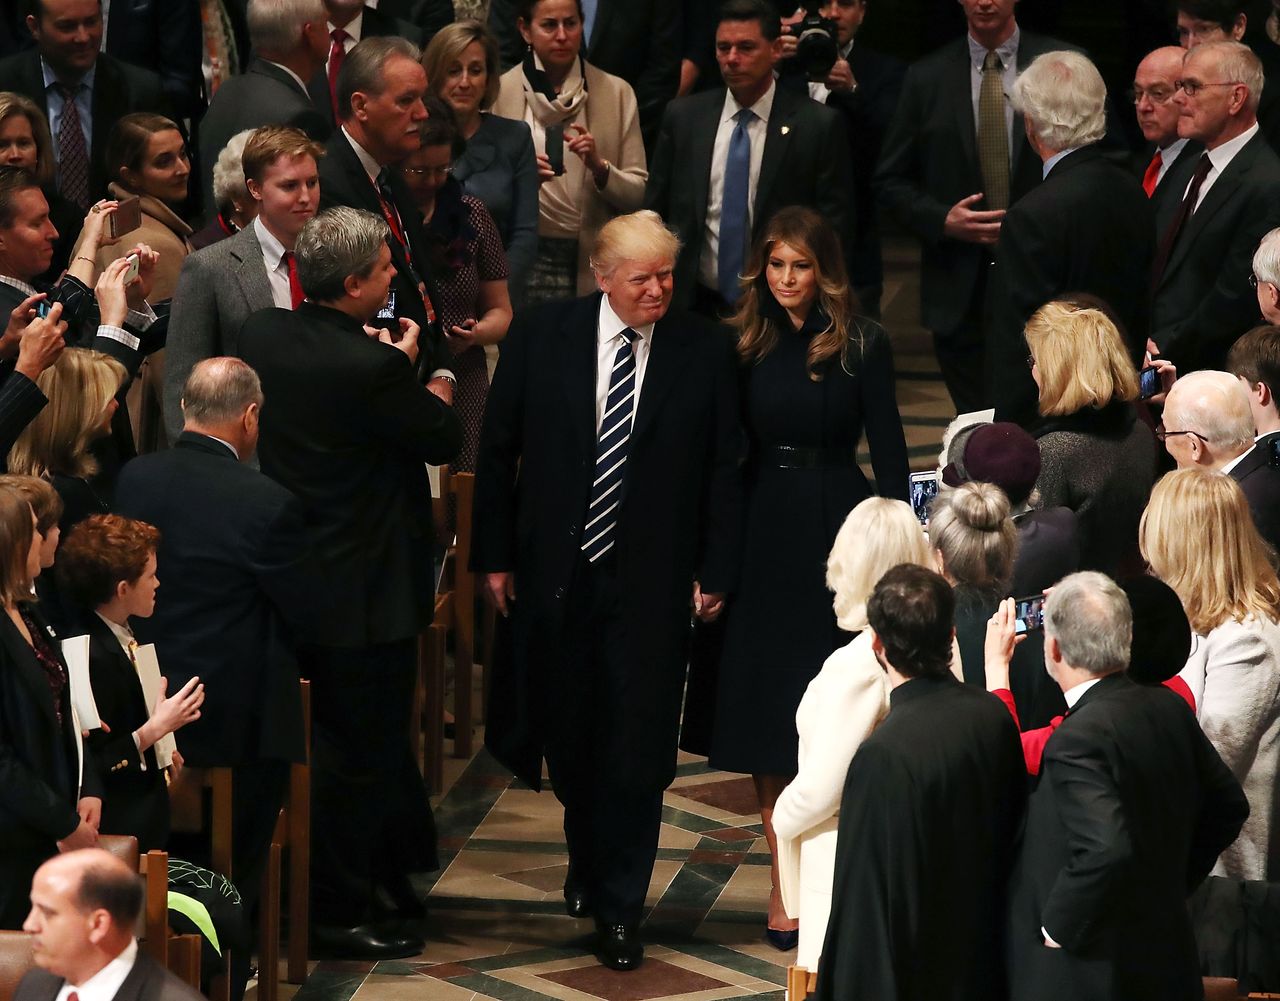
[84,104]
[1220,158]
[1168,155]
[105,984]
[608,339]
[757,132]
[277,269]
[353,34]
[1008,54]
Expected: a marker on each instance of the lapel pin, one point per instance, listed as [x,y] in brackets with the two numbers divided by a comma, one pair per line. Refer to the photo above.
[786,129]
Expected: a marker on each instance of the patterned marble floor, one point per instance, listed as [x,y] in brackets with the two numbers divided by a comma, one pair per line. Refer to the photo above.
[497,928]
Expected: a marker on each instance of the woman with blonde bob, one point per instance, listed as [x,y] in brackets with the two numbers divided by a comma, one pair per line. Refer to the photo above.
[1200,539]
[82,386]
[1097,457]
[840,708]
[813,372]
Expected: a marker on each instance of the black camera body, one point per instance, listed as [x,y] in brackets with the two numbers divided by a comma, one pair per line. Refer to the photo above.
[817,45]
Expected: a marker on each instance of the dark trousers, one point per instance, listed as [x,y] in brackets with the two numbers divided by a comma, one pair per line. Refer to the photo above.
[611,820]
[371,820]
[962,352]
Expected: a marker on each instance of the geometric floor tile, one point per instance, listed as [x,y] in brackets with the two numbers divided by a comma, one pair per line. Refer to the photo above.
[654,979]
[545,879]
[735,796]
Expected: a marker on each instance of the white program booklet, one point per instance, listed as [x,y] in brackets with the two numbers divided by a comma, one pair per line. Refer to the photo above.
[75,651]
[149,675]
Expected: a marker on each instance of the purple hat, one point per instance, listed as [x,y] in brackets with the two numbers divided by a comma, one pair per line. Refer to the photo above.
[1000,453]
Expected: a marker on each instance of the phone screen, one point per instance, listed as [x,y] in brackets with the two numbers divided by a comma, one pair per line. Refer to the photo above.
[1028,614]
[1148,383]
[924,488]
[42,308]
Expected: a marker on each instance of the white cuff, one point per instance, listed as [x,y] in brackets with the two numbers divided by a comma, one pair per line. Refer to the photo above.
[119,334]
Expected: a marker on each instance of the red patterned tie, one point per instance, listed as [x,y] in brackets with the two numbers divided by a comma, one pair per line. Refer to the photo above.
[73,157]
[296,295]
[337,54]
[1152,176]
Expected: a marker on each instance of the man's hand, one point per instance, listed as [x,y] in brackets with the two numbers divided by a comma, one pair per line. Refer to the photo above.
[90,810]
[499,589]
[174,712]
[841,76]
[113,301]
[83,836]
[42,343]
[20,318]
[1001,640]
[441,388]
[707,607]
[973,225]
[408,342]
[787,40]
[1168,376]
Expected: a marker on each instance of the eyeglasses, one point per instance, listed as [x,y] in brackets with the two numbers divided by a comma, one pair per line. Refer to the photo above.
[1255,281]
[427,171]
[1156,95]
[1162,434]
[1192,87]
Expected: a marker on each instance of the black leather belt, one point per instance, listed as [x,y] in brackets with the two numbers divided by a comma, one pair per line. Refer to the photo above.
[791,457]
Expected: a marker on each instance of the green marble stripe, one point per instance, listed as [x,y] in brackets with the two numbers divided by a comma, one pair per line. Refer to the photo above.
[690,822]
[530,957]
[501,990]
[490,905]
[693,768]
[330,985]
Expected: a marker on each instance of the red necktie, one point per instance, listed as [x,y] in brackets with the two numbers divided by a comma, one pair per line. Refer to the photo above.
[337,54]
[296,295]
[1152,175]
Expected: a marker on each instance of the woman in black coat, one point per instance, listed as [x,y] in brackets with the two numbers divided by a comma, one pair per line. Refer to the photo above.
[813,374]
[49,789]
[107,568]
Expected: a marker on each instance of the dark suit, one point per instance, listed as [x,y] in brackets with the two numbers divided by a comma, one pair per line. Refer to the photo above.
[637,40]
[376,23]
[594,681]
[40,769]
[1169,191]
[348,429]
[119,89]
[263,95]
[805,162]
[928,163]
[1089,227]
[1260,481]
[1048,549]
[1129,814]
[428,15]
[234,602]
[147,981]
[166,35]
[1203,301]
[343,181]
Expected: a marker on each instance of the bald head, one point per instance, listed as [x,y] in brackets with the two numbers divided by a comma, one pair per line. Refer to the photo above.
[1153,90]
[1213,408]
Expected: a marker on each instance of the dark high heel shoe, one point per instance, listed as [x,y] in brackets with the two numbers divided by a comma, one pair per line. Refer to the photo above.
[783,941]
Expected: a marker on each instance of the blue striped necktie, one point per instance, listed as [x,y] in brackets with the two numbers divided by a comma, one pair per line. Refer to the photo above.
[735,209]
[611,451]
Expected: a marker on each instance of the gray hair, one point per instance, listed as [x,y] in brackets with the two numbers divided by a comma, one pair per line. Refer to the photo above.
[1063,98]
[1213,404]
[1090,617]
[219,390]
[275,25]
[1238,64]
[335,244]
[362,70]
[1266,259]
[228,173]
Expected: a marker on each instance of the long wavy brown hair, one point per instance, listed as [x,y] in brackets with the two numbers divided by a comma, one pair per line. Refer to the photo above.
[806,232]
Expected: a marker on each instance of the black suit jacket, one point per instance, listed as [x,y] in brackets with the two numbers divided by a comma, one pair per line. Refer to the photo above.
[343,181]
[263,95]
[1089,227]
[638,40]
[1203,301]
[805,162]
[348,429]
[678,519]
[376,23]
[1129,814]
[1260,482]
[147,981]
[429,16]
[166,35]
[929,162]
[236,596]
[118,90]
[1168,194]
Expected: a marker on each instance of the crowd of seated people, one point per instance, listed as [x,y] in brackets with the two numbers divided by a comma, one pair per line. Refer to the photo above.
[621,262]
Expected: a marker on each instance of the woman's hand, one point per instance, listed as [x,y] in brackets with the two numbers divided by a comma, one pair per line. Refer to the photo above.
[140,288]
[1168,376]
[461,336]
[1002,638]
[583,145]
[96,233]
[113,299]
[545,173]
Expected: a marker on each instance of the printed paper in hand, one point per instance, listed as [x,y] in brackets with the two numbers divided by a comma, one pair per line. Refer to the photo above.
[75,651]
[149,675]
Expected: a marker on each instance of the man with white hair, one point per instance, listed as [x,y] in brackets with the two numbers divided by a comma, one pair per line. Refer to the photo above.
[1087,228]
[1201,299]
[1266,276]
[1209,422]
[1131,810]
[1166,162]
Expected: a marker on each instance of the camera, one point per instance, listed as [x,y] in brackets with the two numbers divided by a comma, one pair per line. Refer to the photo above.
[816,42]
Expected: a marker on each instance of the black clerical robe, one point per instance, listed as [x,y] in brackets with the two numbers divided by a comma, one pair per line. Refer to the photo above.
[926,836]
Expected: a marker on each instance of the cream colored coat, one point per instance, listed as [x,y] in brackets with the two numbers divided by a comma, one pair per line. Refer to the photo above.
[610,115]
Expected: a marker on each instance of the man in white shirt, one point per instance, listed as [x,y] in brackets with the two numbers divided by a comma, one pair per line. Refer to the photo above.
[222,284]
[84,907]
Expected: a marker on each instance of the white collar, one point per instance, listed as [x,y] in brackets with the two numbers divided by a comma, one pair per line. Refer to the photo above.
[272,249]
[371,166]
[1231,464]
[230,447]
[611,326]
[105,984]
[1223,155]
[352,30]
[23,287]
[1007,51]
[122,633]
[1171,152]
[1073,695]
[762,107]
[296,79]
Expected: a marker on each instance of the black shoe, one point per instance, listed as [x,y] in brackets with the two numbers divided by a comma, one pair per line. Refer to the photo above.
[576,903]
[783,941]
[363,942]
[618,947]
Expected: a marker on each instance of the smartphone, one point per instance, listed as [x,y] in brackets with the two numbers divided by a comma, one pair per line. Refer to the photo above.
[555,148]
[1028,613]
[131,273]
[126,218]
[42,308]
[1148,382]
[386,316]
[924,488]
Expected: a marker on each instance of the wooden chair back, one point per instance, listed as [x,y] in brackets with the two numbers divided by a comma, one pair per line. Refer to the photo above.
[800,983]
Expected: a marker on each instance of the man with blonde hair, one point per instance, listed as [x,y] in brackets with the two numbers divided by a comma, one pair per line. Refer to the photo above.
[1088,228]
[1201,299]
[620,420]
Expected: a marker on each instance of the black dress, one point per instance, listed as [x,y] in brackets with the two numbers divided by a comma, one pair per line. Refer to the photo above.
[780,624]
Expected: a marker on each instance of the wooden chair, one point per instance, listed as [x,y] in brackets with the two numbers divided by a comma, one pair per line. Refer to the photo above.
[15,960]
[297,839]
[462,486]
[800,983]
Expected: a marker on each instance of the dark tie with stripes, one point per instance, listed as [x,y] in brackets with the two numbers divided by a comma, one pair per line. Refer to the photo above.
[611,451]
